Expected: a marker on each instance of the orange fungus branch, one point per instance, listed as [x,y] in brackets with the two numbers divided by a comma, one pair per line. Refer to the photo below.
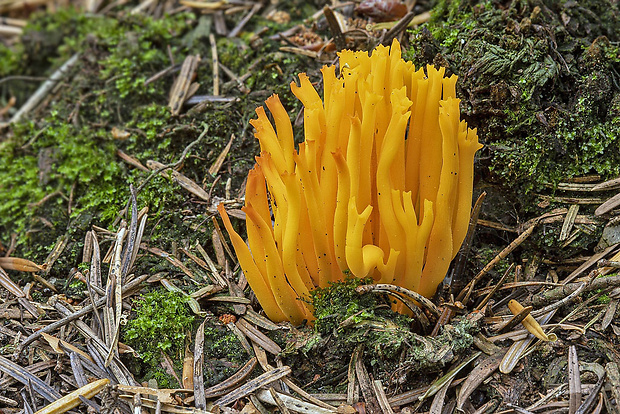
[381,187]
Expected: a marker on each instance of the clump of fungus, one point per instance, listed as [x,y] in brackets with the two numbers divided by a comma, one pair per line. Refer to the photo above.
[381,186]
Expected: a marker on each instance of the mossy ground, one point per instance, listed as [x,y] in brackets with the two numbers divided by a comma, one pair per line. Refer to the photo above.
[68,148]
[349,323]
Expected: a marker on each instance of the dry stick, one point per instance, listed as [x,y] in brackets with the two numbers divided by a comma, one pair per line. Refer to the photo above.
[216,69]
[25,377]
[440,398]
[495,288]
[589,263]
[562,302]
[59,247]
[381,397]
[200,401]
[566,292]
[19,264]
[7,283]
[589,402]
[95,272]
[397,28]
[466,293]
[182,180]
[234,32]
[514,285]
[409,298]
[188,369]
[220,235]
[291,403]
[76,367]
[84,311]
[24,78]
[183,86]
[352,389]
[240,85]
[46,198]
[116,367]
[131,161]
[574,382]
[215,167]
[436,386]
[608,205]
[234,380]
[608,263]
[243,339]
[294,387]
[114,293]
[477,376]
[253,385]
[208,276]
[142,216]
[610,312]
[372,404]
[258,337]
[96,356]
[44,89]
[133,230]
[334,28]
[161,73]
[215,275]
[414,395]
[33,369]
[606,185]
[6,30]
[260,321]
[170,259]
[569,221]
[278,401]
[90,403]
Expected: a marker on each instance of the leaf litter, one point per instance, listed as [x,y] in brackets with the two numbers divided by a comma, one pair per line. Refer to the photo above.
[59,352]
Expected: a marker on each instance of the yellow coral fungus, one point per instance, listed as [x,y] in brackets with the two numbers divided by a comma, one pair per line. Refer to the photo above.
[381,187]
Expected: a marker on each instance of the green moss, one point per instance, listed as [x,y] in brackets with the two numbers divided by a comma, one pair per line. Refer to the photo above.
[344,321]
[164,379]
[138,50]
[8,60]
[165,324]
[339,301]
[430,354]
[19,184]
[162,323]
[392,349]
[603,299]
[58,159]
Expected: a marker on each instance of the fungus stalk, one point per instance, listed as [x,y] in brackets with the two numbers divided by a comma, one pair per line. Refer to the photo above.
[381,186]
